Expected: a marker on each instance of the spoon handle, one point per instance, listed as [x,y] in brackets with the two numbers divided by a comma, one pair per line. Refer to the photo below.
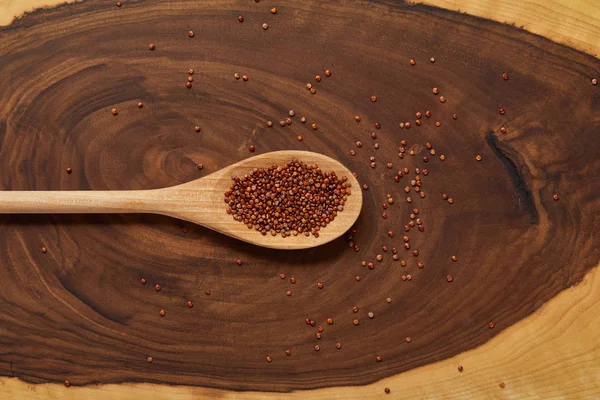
[77,202]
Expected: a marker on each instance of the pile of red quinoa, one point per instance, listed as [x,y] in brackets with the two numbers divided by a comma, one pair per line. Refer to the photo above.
[291,199]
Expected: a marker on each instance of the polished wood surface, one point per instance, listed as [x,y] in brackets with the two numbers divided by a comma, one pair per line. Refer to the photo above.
[552,354]
[503,273]
[199,201]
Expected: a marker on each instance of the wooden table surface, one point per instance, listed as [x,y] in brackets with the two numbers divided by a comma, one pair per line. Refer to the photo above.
[546,348]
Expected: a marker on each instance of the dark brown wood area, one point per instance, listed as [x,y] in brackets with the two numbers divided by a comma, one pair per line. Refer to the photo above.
[79,311]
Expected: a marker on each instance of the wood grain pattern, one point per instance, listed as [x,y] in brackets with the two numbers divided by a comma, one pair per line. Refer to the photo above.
[574,23]
[199,201]
[523,217]
[552,354]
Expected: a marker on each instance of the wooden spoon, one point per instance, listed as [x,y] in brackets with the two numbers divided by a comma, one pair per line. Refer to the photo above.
[199,201]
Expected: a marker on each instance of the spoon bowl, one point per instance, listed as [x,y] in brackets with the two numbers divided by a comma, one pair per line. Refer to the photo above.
[204,204]
[200,201]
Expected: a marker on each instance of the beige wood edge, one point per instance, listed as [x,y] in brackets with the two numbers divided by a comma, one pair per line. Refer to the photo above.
[575,23]
[9,9]
[554,353]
